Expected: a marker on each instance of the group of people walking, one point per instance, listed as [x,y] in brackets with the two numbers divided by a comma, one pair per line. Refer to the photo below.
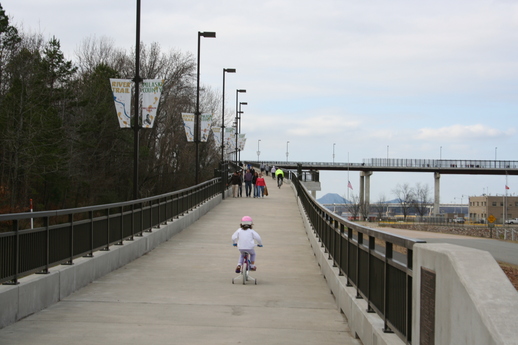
[255,184]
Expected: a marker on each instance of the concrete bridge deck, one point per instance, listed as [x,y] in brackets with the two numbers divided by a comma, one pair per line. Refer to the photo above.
[181,292]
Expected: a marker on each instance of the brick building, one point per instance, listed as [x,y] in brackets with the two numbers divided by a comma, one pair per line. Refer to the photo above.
[480,207]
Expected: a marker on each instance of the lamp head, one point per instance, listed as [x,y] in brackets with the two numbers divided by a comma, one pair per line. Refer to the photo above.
[207,34]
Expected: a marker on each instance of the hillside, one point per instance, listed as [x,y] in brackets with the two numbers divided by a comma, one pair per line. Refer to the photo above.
[332,198]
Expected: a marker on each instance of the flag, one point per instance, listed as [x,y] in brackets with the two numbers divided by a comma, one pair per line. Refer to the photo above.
[506,187]
[188,123]
[121,89]
[150,96]
[206,124]
[349,184]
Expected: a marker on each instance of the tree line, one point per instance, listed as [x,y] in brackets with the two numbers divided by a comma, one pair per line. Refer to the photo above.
[416,200]
[61,144]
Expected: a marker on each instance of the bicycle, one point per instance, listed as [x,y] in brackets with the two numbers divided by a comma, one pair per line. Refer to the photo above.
[245,270]
[279,181]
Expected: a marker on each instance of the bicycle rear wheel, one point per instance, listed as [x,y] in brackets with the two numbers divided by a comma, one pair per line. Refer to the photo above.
[245,272]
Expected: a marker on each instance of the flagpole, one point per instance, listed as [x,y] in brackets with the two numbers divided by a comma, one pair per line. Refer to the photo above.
[348,181]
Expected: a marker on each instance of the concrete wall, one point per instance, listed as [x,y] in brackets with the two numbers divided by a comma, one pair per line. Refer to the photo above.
[38,291]
[475,303]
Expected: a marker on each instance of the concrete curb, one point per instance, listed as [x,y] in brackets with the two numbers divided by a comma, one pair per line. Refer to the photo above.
[37,292]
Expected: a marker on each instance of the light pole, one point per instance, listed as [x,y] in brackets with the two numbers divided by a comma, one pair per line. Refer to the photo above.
[225,70]
[197,113]
[258,151]
[238,129]
[287,151]
[334,153]
[238,91]
[223,166]
[136,124]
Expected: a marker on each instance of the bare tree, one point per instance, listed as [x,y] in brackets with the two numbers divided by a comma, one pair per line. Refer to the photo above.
[405,196]
[380,206]
[422,199]
[354,206]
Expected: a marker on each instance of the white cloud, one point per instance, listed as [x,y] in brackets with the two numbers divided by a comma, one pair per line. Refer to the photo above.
[463,132]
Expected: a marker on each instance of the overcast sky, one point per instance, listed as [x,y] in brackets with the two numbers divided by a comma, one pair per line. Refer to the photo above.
[371,79]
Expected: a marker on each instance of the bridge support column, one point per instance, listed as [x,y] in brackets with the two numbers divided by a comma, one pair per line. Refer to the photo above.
[365,187]
[437,193]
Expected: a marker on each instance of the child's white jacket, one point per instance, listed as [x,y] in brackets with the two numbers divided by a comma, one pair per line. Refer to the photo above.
[246,239]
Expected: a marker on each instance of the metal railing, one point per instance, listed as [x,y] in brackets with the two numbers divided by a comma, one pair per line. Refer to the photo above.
[60,236]
[440,163]
[376,263]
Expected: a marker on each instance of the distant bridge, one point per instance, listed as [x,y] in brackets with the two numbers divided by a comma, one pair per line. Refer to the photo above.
[442,166]
[435,166]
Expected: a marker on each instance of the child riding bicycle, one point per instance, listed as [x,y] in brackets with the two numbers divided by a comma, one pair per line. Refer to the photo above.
[245,239]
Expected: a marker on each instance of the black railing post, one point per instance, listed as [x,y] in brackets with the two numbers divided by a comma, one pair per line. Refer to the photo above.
[388,256]
[372,248]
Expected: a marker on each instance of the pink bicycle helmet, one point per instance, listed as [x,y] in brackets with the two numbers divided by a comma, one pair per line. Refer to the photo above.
[246,220]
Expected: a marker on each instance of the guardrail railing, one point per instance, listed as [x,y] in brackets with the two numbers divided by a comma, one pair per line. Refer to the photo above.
[376,263]
[60,236]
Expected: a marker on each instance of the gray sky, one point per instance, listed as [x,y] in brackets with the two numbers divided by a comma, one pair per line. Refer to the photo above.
[403,79]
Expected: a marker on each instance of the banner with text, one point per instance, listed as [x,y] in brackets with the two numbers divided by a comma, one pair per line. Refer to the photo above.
[230,139]
[241,140]
[188,123]
[121,89]
[206,124]
[216,132]
[150,92]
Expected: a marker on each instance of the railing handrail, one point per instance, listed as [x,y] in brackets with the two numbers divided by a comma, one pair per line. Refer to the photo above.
[61,212]
[381,279]
[60,236]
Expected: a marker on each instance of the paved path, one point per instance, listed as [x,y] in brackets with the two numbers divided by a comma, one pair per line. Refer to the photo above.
[181,293]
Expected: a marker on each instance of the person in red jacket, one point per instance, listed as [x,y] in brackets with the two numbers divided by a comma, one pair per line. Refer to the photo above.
[260,184]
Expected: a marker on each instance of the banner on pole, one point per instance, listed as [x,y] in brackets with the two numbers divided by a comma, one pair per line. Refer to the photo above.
[121,89]
[216,132]
[188,123]
[241,142]
[230,139]
[150,93]
[206,124]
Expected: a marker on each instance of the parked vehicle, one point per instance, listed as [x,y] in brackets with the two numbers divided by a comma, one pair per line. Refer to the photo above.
[512,221]
[458,220]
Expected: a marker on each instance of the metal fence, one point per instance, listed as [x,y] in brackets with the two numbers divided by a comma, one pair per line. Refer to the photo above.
[376,263]
[40,240]
[440,163]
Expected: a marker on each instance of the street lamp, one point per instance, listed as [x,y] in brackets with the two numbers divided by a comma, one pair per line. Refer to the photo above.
[197,113]
[136,124]
[238,129]
[223,166]
[287,151]
[334,153]
[238,91]
[258,151]
[225,70]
